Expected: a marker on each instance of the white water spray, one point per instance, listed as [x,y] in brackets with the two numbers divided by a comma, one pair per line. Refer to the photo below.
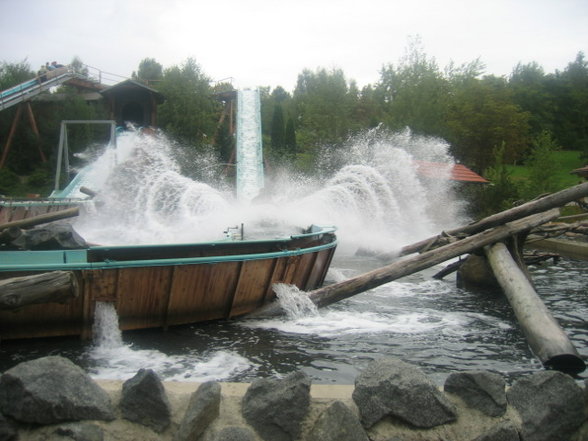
[105,330]
[370,190]
[250,176]
[294,302]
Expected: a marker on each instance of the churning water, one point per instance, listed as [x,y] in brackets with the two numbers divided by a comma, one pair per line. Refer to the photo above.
[372,192]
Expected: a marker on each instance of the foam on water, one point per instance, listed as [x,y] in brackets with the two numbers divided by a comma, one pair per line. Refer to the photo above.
[111,358]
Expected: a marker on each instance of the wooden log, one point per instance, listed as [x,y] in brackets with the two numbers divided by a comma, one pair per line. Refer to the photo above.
[548,202]
[546,338]
[333,293]
[42,218]
[52,287]
[87,191]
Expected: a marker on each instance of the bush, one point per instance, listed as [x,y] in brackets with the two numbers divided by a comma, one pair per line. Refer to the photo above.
[9,182]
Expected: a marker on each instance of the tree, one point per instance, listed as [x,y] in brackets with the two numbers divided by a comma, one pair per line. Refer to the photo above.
[290,139]
[78,66]
[324,108]
[278,130]
[415,92]
[571,122]
[542,167]
[482,116]
[501,193]
[150,71]
[12,74]
[190,113]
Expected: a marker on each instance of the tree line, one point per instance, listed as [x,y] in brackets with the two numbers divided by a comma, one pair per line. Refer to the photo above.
[489,121]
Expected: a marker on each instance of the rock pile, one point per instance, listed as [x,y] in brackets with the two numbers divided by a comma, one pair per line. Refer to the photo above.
[52,399]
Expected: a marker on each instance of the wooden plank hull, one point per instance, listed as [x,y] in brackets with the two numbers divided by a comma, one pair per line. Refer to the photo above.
[160,286]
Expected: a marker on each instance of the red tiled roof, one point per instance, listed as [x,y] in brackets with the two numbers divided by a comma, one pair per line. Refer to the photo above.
[454,172]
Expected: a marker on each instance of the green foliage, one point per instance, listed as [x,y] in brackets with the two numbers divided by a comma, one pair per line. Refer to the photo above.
[290,138]
[415,93]
[78,66]
[501,193]
[150,71]
[542,167]
[481,116]
[278,131]
[12,74]
[9,182]
[189,113]
[324,107]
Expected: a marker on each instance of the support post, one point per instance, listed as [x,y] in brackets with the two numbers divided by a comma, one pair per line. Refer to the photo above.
[35,130]
[10,135]
[546,338]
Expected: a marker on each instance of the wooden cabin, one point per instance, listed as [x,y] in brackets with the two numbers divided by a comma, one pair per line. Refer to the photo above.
[134,102]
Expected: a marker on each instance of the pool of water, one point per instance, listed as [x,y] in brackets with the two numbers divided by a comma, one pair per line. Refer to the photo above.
[426,322]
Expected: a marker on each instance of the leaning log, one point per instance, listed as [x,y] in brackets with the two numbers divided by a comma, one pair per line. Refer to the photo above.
[42,218]
[547,339]
[52,287]
[339,291]
[548,202]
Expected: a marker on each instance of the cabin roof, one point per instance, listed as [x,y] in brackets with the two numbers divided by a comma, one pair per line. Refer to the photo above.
[453,172]
[130,85]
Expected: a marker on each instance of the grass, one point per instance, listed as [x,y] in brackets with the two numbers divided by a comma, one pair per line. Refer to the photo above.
[567,160]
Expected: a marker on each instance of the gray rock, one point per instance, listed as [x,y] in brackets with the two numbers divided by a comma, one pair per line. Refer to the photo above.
[7,430]
[203,409]
[481,390]
[276,407]
[81,432]
[52,390]
[551,406]
[337,423]
[144,401]
[235,433]
[390,387]
[502,432]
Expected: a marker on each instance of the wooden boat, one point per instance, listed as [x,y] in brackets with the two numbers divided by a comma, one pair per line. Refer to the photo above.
[164,285]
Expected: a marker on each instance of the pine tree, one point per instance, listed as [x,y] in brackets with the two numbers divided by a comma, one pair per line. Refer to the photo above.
[277,131]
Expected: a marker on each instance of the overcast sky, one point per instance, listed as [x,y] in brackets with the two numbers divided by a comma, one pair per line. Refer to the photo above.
[269,42]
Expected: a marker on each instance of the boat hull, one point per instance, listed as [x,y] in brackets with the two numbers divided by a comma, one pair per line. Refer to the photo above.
[165,285]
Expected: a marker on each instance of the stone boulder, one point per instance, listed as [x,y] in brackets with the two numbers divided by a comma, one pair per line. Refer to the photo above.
[80,432]
[502,432]
[203,409]
[52,390]
[276,407]
[390,387]
[144,401]
[7,430]
[235,433]
[551,406]
[482,390]
[337,423]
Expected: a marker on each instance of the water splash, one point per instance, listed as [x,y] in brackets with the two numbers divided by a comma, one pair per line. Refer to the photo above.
[106,332]
[294,302]
[370,189]
[111,358]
